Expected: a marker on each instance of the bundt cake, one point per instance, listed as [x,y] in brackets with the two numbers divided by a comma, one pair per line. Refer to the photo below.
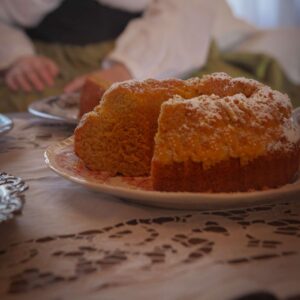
[215,134]
[91,93]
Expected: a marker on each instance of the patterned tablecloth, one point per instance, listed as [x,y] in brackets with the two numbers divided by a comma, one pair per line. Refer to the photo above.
[73,243]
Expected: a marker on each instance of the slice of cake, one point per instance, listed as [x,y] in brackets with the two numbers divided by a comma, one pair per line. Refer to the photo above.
[91,93]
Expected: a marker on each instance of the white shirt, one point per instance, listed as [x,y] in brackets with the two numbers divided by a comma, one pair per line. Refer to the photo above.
[171,38]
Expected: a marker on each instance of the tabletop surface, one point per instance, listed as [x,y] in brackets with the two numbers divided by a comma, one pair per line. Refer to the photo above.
[73,243]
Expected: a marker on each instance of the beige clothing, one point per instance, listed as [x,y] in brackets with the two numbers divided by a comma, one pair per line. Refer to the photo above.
[170,39]
[155,45]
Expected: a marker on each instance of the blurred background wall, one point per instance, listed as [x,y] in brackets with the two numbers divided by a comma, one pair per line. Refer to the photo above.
[268,13]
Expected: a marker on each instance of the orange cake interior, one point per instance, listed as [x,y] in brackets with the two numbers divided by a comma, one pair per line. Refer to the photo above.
[118,136]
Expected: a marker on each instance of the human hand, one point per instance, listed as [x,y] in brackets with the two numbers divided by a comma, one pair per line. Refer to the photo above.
[117,72]
[31,73]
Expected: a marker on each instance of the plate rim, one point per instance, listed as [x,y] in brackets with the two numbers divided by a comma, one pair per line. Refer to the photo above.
[6,127]
[135,194]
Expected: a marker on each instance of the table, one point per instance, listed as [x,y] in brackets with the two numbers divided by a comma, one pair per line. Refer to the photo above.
[73,243]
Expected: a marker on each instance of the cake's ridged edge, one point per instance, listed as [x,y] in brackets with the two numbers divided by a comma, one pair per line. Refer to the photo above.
[268,171]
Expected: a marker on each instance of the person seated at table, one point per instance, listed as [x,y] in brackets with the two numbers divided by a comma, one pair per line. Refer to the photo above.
[47,44]
[49,47]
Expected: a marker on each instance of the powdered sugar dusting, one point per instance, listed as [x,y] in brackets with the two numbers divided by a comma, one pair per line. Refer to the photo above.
[131,83]
[218,75]
[232,126]
[223,76]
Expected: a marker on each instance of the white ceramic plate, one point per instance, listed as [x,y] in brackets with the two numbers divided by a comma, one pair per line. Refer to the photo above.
[62,159]
[6,124]
[60,108]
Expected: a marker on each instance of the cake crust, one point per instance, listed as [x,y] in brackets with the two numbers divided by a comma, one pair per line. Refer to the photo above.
[265,172]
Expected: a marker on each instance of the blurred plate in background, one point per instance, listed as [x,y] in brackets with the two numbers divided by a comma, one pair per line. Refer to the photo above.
[60,108]
[6,124]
